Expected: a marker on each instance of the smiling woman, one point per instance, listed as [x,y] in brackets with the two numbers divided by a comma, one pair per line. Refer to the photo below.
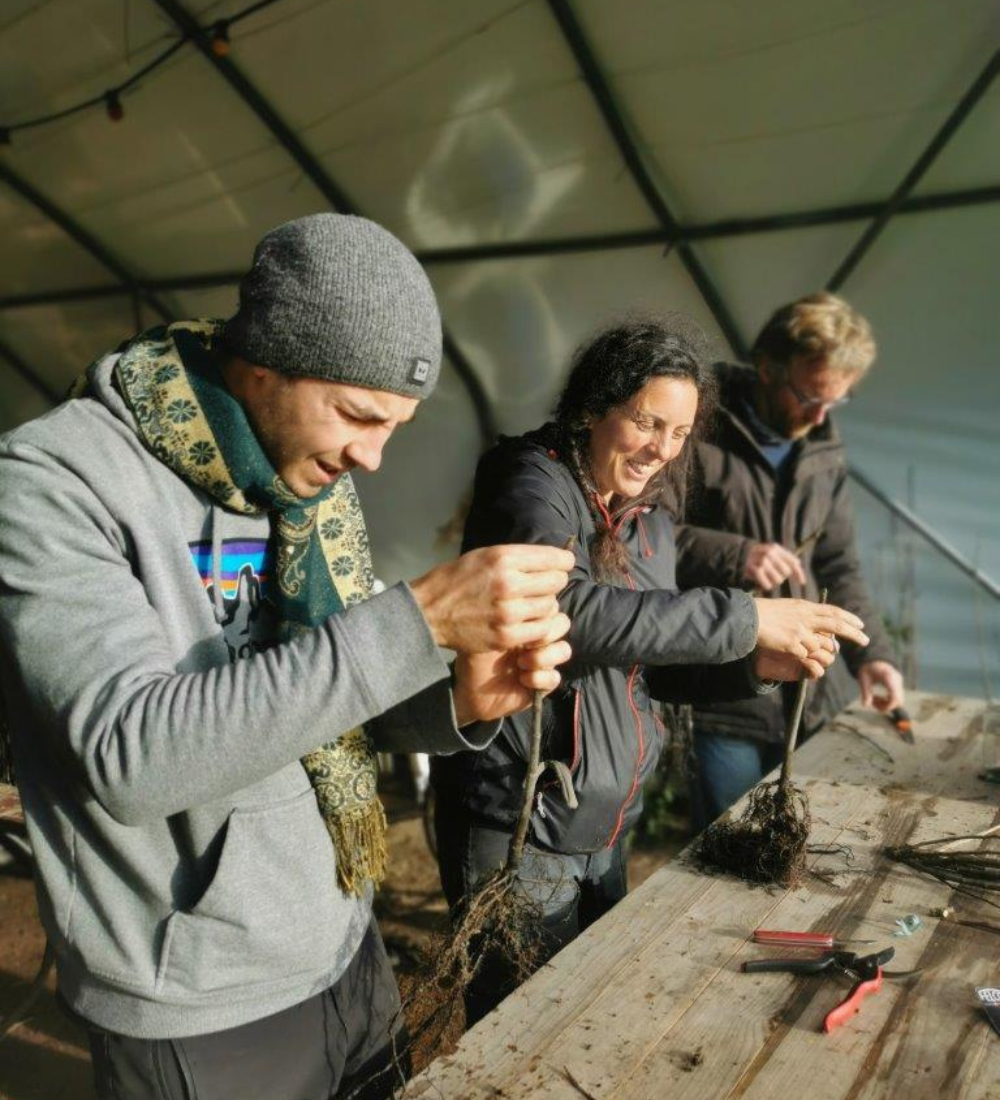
[633,443]
[637,393]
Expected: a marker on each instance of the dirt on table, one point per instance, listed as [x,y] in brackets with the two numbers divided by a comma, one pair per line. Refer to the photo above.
[46,1056]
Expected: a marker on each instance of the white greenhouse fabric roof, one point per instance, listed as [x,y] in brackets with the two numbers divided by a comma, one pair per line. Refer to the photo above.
[472,125]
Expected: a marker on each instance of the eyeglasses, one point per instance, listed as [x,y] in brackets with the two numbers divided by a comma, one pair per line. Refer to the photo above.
[807,401]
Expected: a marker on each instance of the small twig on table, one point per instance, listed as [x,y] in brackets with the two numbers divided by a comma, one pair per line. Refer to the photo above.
[975,872]
[843,727]
[576,1084]
[949,915]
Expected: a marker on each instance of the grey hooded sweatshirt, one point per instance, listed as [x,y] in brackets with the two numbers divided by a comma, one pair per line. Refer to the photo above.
[186,878]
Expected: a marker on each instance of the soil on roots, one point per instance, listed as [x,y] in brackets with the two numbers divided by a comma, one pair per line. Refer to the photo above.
[767,843]
[498,920]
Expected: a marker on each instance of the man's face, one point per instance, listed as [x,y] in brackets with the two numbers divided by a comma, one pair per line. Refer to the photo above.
[313,430]
[795,398]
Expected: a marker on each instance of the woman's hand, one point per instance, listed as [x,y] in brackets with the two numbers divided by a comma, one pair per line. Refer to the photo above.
[770,665]
[798,627]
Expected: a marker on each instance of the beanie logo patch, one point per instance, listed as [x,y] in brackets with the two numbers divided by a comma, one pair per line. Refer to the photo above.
[419,371]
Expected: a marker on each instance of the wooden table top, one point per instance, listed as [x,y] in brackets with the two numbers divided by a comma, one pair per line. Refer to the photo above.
[651,1003]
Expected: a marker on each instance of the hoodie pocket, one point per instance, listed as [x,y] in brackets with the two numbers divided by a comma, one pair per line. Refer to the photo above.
[269,912]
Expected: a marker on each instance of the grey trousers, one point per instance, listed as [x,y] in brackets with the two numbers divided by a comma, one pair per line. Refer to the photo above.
[572,891]
[336,1044]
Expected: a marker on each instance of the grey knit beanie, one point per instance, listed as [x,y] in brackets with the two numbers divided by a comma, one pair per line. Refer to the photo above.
[338,297]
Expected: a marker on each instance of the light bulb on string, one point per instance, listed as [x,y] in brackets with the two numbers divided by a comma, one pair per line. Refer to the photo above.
[220,39]
[216,35]
[116,112]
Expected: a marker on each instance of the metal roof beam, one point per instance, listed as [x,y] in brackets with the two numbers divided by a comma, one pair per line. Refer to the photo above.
[833,215]
[86,240]
[926,532]
[506,250]
[605,101]
[260,106]
[892,206]
[323,182]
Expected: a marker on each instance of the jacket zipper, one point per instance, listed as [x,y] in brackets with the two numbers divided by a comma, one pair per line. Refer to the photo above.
[633,672]
[647,550]
[575,762]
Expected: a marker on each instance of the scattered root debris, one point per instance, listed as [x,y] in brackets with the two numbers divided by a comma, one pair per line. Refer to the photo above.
[842,727]
[843,850]
[687,1061]
[974,871]
[576,1084]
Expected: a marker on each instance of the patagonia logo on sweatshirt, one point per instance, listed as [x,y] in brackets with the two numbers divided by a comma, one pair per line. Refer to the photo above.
[245,578]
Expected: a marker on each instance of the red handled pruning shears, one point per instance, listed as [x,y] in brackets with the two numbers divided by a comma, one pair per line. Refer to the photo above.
[865,970]
[902,723]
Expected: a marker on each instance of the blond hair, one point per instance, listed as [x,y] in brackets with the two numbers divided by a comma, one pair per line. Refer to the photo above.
[819,327]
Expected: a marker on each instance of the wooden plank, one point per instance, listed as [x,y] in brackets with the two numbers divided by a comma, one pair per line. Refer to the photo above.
[795,1058]
[659,959]
[947,758]
[644,1001]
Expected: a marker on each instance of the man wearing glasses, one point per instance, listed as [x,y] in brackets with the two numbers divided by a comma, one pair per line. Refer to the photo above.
[770,511]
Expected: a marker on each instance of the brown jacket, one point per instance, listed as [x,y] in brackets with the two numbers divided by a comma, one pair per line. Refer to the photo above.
[739,500]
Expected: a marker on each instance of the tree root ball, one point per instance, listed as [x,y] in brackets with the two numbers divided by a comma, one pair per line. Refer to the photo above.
[498,919]
[767,843]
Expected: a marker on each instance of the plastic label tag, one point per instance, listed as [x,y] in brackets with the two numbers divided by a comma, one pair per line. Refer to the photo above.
[989,998]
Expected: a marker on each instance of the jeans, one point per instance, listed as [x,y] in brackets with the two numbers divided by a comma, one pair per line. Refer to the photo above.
[727,768]
[572,891]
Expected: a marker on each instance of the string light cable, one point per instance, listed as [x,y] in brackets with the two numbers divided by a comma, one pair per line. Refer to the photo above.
[110,99]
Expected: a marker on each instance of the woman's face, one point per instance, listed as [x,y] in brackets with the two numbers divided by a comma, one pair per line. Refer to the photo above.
[634,441]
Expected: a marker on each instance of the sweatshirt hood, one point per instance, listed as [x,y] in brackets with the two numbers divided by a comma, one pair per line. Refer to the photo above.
[99,383]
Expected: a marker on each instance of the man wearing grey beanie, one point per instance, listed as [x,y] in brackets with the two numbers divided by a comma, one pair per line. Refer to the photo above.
[196,674]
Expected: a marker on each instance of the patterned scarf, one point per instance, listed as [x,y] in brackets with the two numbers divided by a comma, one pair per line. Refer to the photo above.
[187,417]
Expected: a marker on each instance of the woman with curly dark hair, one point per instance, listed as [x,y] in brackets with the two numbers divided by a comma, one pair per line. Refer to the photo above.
[636,394]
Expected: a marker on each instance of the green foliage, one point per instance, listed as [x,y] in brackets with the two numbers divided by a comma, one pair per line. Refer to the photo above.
[665,805]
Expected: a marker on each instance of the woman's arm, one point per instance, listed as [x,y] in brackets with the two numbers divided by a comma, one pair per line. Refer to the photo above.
[532,498]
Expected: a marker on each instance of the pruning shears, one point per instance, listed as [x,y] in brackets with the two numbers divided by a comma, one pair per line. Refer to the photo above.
[864,970]
[902,723]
